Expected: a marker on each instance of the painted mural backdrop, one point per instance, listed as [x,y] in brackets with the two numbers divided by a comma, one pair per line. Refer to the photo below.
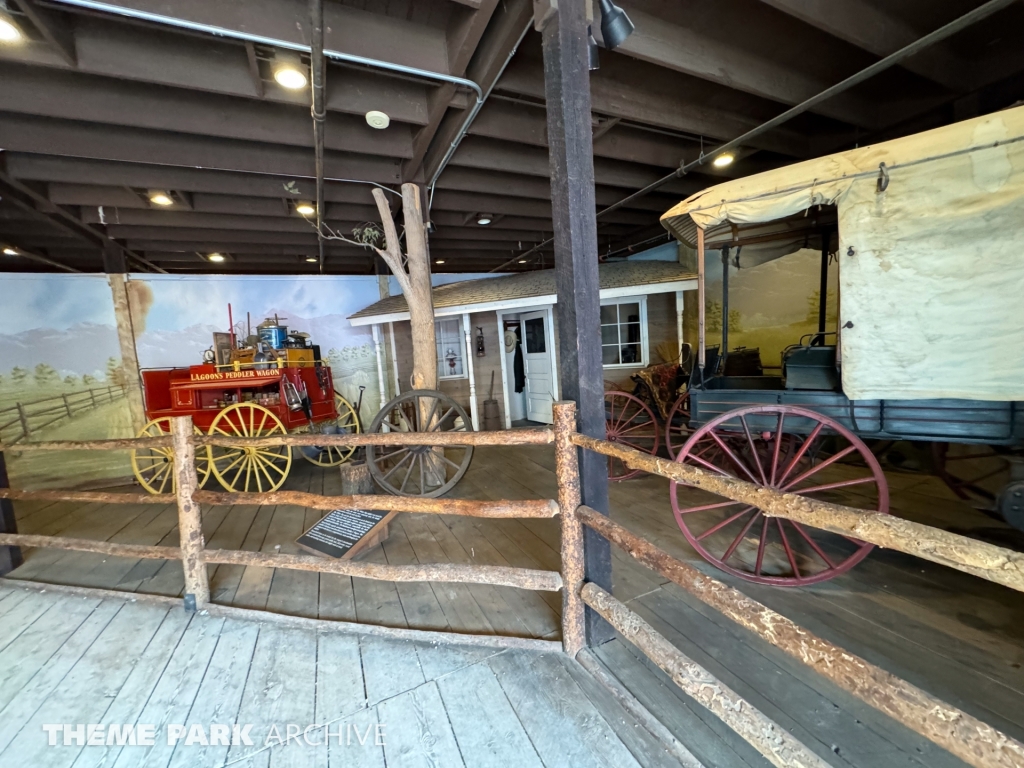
[175,316]
[771,305]
[60,378]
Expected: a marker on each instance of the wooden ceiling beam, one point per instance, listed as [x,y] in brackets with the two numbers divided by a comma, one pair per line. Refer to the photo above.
[354,31]
[494,48]
[465,30]
[24,133]
[872,29]
[639,92]
[210,65]
[54,28]
[74,96]
[447,200]
[692,51]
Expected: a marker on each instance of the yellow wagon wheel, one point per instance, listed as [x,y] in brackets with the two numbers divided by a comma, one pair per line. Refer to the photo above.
[249,469]
[347,423]
[154,467]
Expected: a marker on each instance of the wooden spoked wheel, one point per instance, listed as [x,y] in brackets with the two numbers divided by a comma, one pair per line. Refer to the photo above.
[628,420]
[745,444]
[419,470]
[154,467]
[249,469]
[677,425]
[347,423]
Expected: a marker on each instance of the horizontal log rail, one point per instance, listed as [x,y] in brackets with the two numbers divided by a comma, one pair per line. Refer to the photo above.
[466,507]
[88,497]
[777,745]
[965,736]
[978,558]
[499,437]
[526,508]
[521,578]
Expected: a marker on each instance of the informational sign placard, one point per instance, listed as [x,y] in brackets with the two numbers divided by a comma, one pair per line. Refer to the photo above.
[344,532]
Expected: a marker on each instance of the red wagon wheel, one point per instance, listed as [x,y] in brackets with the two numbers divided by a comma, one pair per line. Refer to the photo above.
[677,425]
[629,421]
[745,444]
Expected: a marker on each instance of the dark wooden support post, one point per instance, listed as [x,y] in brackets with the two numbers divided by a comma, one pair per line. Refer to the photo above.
[567,472]
[570,147]
[724,351]
[190,525]
[10,557]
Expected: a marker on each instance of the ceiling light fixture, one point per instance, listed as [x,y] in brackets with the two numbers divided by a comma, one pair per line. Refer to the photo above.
[723,160]
[522,261]
[378,120]
[592,52]
[615,25]
[484,219]
[215,257]
[160,197]
[312,259]
[8,251]
[289,71]
[9,32]
[439,261]
[305,208]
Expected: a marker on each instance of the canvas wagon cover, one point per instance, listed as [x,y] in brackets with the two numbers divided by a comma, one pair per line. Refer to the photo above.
[931,269]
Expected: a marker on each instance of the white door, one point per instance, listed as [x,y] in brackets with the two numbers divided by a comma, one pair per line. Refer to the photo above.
[537,361]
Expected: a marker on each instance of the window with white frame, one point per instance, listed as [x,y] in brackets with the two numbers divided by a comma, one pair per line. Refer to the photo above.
[624,332]
[451,349]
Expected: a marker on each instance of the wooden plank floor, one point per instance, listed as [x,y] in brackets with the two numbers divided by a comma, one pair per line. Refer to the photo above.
[956,636]
[68,659]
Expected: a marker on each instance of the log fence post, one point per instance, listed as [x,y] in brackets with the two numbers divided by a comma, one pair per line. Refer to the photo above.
[190,526]
[23,418]
[10,556]
[92,396]
[567,472]
[67,405]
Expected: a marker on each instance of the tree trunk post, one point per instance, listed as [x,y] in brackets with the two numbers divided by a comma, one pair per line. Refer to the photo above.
[190,525]
[23,418]
[10,556]
[126,344]
[570,149]
[567,472]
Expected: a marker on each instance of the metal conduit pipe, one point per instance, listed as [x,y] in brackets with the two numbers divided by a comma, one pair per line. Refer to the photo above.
[316,71]
[957,25]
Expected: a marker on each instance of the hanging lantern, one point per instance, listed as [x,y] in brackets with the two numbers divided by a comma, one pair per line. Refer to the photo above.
[480,351]
[451,357]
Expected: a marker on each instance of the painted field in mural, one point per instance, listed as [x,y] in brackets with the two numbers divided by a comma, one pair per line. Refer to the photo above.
[61,378]
[175,317]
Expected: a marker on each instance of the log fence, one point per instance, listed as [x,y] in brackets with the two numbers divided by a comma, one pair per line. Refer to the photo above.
[966,737]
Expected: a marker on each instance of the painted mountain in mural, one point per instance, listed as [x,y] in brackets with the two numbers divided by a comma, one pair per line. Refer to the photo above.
[79,349]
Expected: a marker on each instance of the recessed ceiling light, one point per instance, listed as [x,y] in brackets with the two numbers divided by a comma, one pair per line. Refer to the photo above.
[9,32]
[439,261]
[522,261]
[218,257]
[723,160]
[8,251]
[378,120]
[305,208]
[312,259]
[484,219]
[289,71]
[160,197]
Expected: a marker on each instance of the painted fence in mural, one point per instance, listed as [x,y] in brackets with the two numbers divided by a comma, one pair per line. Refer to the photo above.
[25,418]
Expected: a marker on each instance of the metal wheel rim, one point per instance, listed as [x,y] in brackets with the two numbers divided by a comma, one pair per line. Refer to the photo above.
[249,469]
[681,407]
[789,478]
[335,455]
[154,467]
[386,463]
[631,423]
